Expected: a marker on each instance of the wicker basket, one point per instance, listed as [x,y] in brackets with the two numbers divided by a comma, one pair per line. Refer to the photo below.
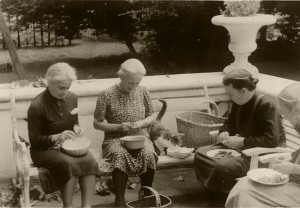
[155,200]
[196,126]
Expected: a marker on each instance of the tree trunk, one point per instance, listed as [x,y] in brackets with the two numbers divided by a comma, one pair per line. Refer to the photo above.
[42,34]
[49,40]
[3,43]
[8,19]
[34,38]
[55,40]
[26,38]
[130,47]
[11,48]
[18,32]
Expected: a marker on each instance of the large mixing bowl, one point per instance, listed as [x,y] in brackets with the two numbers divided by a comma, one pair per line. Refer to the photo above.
[76,147]
[133,142]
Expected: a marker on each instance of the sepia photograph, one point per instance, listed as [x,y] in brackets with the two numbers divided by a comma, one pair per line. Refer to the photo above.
[149,103]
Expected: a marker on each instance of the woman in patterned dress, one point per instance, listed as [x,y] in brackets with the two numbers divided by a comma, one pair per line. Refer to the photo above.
[121,110]
[51,121]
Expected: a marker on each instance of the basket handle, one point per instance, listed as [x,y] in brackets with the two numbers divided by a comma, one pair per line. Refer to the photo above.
[155,193]
[214,105]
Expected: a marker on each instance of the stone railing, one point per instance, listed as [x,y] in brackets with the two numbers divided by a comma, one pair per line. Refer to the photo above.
[181,92]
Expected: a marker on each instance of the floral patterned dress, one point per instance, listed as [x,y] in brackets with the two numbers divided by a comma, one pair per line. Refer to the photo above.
[118,106]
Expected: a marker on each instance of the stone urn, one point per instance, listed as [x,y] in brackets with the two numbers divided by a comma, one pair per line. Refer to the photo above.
[243,32]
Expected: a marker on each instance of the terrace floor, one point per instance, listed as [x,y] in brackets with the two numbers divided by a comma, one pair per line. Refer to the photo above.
[185,193]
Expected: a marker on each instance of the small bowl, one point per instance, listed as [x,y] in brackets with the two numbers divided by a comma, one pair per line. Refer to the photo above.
[179,152]
[76,147]
[133,142]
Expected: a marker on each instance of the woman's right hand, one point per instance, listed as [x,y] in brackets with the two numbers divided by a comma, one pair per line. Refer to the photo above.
[223,136]
[283,164]
[285,167]
[63,136]
[125,127]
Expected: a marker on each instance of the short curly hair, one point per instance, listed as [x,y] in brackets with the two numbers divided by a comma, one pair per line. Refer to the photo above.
[131,66]
[61,71]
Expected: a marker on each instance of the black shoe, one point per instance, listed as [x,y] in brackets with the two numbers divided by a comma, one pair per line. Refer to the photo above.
[217,200]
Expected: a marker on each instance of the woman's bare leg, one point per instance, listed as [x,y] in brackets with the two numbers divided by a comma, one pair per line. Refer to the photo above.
[87,186]
[67,192]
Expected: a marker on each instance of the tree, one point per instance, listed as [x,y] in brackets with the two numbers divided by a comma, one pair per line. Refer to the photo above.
[180,31]
[115,18]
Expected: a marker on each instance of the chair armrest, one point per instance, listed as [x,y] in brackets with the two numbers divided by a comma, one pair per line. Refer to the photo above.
[261,150]
[271,157]
[255,152]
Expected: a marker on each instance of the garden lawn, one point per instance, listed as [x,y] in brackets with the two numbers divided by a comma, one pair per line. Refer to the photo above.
[101,59]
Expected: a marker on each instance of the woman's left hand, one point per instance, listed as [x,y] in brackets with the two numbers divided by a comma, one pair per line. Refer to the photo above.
[78,130]
[235,142]
[284,167]
[138,124]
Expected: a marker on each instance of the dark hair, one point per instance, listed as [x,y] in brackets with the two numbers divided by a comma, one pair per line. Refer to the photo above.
[240,78]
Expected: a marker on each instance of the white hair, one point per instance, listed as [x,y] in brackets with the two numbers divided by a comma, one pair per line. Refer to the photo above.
[61,71]
[131,66]
[289,99]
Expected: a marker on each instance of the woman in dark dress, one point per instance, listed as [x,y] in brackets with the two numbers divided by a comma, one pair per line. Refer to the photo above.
[250,194]
[254,121]
[52,117]
[121,110]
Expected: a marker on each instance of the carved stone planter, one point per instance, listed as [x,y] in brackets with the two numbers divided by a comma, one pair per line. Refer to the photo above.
[243,32]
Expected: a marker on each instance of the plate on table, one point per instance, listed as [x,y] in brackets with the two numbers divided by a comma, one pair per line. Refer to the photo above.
[267,176]
[220,153]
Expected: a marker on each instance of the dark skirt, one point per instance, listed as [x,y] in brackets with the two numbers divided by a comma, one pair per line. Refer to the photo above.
[62,167]
[219,174]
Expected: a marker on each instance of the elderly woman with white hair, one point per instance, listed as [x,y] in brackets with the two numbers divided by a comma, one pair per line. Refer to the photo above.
[51,122]
[121,110]
[247,193]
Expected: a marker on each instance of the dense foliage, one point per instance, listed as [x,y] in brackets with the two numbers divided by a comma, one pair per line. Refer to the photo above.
[175,31]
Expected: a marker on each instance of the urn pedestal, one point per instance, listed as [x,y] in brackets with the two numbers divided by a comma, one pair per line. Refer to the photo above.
[243,32]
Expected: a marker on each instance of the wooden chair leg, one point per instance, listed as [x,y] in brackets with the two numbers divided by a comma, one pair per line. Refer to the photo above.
[254,162]
[26,191]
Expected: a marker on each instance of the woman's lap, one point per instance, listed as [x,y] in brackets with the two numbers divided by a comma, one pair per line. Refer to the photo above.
[219,174]
[62,166]
[131,162]
[247,193]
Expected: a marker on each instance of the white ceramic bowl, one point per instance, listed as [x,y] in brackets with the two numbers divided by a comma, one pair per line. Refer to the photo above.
[133,142]
[76,147]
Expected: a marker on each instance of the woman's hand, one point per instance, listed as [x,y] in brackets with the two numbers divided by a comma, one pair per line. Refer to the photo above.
[138,124]
[234,142]
[125,127]
[63,136]
[285,167]
[223,136]
[78,130]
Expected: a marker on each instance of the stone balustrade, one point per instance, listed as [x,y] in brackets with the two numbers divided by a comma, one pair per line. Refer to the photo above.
[181,92]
